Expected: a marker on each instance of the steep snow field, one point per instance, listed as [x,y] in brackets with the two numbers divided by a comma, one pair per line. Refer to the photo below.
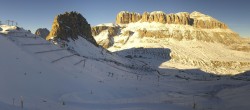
[47,77]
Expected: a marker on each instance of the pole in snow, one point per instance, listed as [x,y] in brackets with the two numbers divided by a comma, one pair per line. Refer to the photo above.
[21,101]
[12,23]
[8,22]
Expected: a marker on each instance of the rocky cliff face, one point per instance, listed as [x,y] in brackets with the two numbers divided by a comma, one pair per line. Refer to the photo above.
[195,19]
[42,32]
[127,17]
[70,25]
[161,17]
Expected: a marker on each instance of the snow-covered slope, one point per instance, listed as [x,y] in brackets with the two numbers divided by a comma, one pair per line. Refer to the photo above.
[46,77]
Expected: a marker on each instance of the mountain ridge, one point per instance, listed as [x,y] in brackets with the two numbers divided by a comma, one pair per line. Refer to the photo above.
[196,19]
[179,26]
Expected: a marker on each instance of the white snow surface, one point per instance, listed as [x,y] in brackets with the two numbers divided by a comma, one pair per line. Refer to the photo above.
[157,12]
[107,24]
[42,76]
[201,16]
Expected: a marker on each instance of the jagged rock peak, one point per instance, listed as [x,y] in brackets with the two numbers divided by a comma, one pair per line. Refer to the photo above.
[42,32]
[71,25]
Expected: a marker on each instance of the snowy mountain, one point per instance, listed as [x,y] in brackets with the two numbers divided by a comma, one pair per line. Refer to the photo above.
[195,40]
[36,74]
[39,75]
[45,76]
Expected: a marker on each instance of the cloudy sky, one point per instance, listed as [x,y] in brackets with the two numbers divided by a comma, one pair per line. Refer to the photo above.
[33,14]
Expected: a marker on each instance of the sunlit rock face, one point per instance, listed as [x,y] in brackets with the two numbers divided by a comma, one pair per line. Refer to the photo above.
[125,17]
[161,17]
[195,19]
[70,25]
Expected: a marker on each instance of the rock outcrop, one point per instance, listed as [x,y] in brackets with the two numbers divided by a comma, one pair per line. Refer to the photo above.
[71,25]
[42,32]
[125,17]
[154,17]
[161,17]
[195,19]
